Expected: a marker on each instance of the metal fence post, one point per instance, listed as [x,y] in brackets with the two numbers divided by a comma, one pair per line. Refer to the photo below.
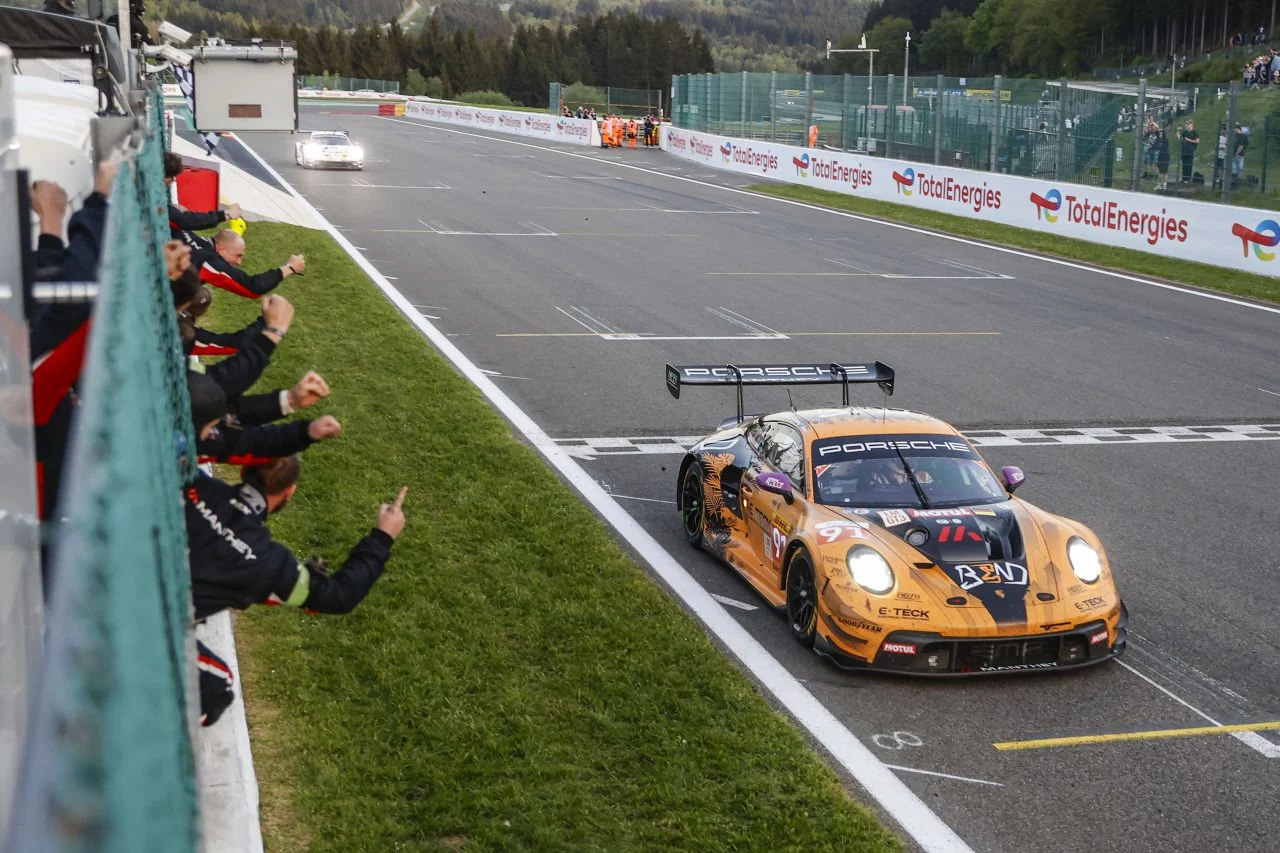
[844,110]
[1229,131]
[706,110]
[1266,144]
[889,113]
[720,103]
[995,127]
[808,104]
[1062,126]
[1135,183]
[773,106]
[937,123]
[744,104]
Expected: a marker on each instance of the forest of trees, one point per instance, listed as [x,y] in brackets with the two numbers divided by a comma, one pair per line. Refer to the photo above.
[619,49]
[1047,38]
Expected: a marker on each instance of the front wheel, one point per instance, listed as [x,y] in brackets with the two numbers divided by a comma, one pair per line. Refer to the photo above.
[691,504]
[802,599]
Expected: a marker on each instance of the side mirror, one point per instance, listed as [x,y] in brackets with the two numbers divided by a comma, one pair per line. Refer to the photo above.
[1012,477]
[778,484]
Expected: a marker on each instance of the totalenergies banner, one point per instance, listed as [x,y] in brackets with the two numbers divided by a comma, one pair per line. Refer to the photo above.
[578,131]
[1236,237]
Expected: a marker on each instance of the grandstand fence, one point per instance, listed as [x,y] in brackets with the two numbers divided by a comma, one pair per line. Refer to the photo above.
[605,100]
[348,84]
[1084,132]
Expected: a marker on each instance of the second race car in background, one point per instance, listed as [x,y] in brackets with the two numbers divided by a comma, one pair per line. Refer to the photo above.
[888,540]
[328,148]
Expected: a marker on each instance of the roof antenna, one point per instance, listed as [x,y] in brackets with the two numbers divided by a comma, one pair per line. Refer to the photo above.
[884,408]
[791,402]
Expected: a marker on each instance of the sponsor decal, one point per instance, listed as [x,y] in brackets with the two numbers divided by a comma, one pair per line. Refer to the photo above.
[1111,216]
[778,521]
[904,612]
[859,624]
[958,512]
[1075,588]
[1265,236]
[960,531]
[948,189]
[775,545]
[855,176]
[893,517]
[464,115]
[1090,603]
[487,118]
[678,141]
[703,149]
[726,151]
[745,155]
[899,648]
[908,596]
[1017,666]
[538,125]
[802,165]
[512,122]
[854,447]
[1100,637]
[819,470]
[968,577]
[573,128]
[984,512]
[781,372]
[830,532]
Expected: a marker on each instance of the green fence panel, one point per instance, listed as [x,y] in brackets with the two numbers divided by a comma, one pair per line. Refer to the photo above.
[109,764]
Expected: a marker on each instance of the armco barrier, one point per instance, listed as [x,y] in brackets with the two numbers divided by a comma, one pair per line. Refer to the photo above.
[577,131]
[1235,237]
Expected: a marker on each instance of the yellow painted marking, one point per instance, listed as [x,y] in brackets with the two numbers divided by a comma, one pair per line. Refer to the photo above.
[841,274]
[744,337]
[1155,734]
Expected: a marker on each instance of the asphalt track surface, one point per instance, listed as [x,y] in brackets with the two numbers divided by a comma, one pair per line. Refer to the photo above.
[573,280]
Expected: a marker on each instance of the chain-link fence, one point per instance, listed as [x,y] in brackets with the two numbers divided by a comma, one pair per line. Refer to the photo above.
[109,761]
[333,83]
[1078,132]
[605,100]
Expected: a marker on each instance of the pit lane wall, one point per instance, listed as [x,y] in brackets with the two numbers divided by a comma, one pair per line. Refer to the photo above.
[1235,237]
[576,131]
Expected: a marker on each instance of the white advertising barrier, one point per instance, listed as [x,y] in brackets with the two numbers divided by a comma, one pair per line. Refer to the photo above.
[578,131]
[1236,237]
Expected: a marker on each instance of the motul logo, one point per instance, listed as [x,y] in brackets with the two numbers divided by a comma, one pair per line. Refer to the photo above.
[899,648]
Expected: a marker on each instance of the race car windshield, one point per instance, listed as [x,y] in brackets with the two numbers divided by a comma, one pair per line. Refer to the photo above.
[902,472]
[329,140]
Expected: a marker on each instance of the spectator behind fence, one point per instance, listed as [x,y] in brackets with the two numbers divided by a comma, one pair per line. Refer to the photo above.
[182,221]
[1161,148]
[1240,143]
[1190,139]
[220,267]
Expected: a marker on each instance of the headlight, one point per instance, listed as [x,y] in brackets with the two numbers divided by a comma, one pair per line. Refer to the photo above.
[311,149]
[357,152]
[1085,561]
[869,570]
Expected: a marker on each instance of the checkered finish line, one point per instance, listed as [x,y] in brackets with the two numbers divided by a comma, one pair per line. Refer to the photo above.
[590,448]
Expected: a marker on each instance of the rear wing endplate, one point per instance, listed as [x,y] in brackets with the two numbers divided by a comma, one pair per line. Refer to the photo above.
[739,375]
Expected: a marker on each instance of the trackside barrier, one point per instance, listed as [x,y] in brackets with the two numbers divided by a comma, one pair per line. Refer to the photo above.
[1226,236]
[577,131]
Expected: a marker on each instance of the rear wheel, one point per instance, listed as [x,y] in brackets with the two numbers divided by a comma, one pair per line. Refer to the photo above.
[691,504]
[802,599]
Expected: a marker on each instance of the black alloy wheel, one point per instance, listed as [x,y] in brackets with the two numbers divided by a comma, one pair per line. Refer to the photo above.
[691,504]
[802,599]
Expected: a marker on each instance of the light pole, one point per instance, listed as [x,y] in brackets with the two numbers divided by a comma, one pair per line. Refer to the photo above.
[906,68]
[871,70]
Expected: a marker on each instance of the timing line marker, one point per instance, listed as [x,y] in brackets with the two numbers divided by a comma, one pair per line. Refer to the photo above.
[1152,734]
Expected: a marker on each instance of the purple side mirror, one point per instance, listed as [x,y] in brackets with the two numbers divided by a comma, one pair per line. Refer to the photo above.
[778,484]
[1012,477]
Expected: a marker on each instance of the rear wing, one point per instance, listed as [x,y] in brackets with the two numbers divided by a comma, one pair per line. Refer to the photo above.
[739,375]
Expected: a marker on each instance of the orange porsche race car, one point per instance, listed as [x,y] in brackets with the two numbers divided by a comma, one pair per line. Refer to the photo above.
[887,539]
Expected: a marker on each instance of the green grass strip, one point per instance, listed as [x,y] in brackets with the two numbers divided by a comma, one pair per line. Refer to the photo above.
[1127,260]
[514,681]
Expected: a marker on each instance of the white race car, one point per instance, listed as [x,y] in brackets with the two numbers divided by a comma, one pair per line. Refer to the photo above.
[326,148]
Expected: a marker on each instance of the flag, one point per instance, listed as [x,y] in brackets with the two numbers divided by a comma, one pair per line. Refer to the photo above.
[187,83]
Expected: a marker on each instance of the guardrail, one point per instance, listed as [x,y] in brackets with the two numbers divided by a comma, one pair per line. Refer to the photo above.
[1227,236]
[576,131]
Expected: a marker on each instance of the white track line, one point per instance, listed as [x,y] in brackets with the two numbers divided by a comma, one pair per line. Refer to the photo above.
[913,816]
[884,222]
[943,775]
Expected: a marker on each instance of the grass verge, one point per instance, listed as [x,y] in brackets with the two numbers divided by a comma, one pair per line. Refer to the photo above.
[514,681]
[1168,269]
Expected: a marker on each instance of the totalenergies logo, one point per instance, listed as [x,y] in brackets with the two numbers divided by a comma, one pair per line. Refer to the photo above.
[904,180]
[1047,205]
[726,151]
[1265,236]
[802,165]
